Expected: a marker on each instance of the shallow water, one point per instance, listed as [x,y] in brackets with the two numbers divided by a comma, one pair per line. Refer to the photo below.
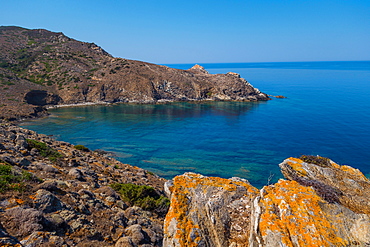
[327,113]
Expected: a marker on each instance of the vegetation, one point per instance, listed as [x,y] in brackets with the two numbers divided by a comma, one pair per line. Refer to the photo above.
[317,160]
[142,196]
[10,180]
[81,147]
[44,150]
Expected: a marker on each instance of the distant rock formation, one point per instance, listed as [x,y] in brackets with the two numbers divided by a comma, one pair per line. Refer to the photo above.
[68,71]
[321,204]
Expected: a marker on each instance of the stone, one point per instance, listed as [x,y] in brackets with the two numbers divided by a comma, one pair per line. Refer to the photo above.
[203,211]
[76,173]
[45,167]
[47,202]
[335,183]
[137,235]
[319,204]
[124,242]
[27,220]
[51,186]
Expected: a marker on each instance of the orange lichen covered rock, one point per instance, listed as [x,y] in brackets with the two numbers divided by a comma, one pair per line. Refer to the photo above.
[293,216]
[208,211]
[335,183]
[321,204]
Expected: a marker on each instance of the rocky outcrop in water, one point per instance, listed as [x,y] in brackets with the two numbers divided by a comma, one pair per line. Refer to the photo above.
[321,204]
[43,68]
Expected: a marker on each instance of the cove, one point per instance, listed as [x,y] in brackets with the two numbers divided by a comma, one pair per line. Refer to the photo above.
[326,113]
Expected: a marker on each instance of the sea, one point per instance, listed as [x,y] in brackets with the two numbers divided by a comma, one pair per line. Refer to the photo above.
[326,112]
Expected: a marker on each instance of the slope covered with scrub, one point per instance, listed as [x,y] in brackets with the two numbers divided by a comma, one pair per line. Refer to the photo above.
[40,68]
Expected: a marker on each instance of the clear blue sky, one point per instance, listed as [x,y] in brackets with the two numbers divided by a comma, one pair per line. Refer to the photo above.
[206,31]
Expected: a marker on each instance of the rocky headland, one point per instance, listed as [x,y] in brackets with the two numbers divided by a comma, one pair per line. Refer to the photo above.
[39,68]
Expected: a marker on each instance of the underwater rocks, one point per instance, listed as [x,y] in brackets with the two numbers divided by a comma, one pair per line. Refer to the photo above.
[319,205]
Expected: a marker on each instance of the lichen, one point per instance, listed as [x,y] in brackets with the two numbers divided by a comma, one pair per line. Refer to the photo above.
[296,164]
[293,211]
[187,232]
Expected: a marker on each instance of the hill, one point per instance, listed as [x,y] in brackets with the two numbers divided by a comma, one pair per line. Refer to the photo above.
[41,68]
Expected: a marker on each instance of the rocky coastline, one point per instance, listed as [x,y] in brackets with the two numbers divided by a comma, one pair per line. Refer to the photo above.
[53,193]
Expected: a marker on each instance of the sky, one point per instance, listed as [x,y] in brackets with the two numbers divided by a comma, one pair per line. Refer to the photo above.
[205,31]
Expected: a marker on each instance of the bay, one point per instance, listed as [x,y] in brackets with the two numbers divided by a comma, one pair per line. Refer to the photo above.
[326,112]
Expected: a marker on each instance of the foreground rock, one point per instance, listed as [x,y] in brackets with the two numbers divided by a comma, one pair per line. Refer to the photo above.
[40,68]
[321,204]
[62,196]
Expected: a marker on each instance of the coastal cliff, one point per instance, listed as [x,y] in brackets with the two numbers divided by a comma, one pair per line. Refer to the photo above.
[40,68]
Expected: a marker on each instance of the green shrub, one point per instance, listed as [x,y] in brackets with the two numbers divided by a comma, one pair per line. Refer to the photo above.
[44,150]
[9,180]
[82,148]
[142,196]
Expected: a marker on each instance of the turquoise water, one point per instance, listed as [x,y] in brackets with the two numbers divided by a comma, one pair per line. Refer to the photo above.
[327,113]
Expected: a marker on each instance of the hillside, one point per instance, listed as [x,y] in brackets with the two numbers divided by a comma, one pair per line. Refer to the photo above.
[40,68]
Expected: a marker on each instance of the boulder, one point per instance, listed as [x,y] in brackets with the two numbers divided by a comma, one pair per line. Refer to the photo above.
[320,204]
[208,211]
[27,220]
[47,202]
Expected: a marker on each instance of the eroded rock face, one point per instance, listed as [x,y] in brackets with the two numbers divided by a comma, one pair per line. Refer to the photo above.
[319,205]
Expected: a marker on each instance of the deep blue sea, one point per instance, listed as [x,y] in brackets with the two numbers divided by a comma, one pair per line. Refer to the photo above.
[326,112]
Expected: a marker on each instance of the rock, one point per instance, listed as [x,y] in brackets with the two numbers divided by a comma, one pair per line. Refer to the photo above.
[51,186]
[137,235]
[125,242]
[6,239]
[34,152]
[208,211]
[37,238]
[76,173]
[20,140]
[24,162]
[198,68]
[88,194]
[335,183]
[47,202]
[56,209]
[26,220]
[319,205]
[233,74]
[47,168]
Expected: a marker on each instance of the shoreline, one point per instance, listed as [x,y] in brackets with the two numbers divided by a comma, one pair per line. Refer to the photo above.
[161,101]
